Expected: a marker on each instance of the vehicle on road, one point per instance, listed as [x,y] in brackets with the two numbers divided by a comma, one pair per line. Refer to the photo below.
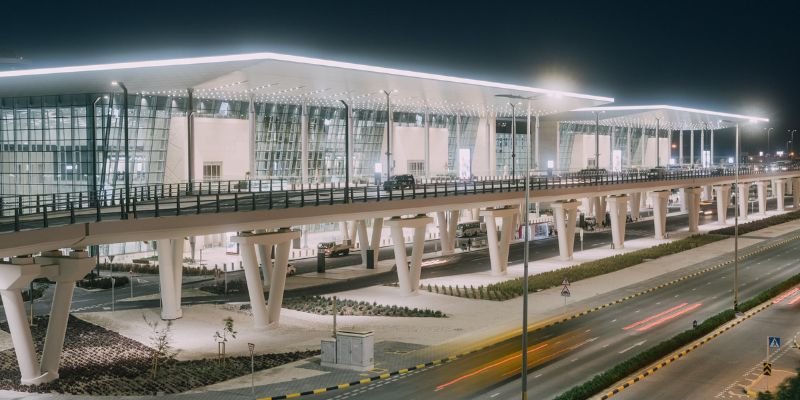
[331,249]
[469,229]
[404,181]
[591,173]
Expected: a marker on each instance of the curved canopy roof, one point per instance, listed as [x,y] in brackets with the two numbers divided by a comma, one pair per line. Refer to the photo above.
[665,116]
[285,78]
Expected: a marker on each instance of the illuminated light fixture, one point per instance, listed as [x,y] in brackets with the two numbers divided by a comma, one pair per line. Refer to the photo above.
[675,108]
[288,58]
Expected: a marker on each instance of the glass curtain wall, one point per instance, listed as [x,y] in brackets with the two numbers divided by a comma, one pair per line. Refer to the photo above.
[504,146]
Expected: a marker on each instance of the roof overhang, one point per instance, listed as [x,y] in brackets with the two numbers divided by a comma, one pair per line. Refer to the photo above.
[663,116]
[273,77]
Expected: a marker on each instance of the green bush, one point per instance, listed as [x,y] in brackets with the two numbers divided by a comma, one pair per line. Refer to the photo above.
[103,283]
[153,269]
[788,390]
[513,288]
[760,224]
[630,366]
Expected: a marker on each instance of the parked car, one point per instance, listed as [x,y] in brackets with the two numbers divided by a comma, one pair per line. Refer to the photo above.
[331,249]
[397,182]
[591,173]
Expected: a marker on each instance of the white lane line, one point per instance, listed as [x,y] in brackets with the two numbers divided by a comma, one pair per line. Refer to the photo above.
[537,376]
[613,320]
[494,395]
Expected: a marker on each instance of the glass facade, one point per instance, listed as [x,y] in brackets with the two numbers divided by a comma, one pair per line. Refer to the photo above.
[568,132]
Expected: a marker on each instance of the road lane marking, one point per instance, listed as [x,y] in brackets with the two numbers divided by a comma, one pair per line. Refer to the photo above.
[633,346]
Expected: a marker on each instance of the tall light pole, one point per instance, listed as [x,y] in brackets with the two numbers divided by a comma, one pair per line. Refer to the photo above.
[791,132]
[526,253]
[127,155]
[347,151]
[768,131]
[388,134]
[736,228]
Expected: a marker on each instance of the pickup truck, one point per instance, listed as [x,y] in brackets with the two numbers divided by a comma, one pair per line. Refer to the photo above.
[333,249]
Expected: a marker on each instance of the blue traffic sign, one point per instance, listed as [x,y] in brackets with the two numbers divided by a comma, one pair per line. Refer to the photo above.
[774,342]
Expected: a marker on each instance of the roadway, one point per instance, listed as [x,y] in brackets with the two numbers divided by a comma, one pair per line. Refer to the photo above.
[572,352]
[723,367]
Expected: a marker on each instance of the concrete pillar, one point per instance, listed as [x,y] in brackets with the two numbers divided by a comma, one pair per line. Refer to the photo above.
[795,193]
[761,187]
[498,249]
[264,317]
[264,254]
[643,200]
[408,275]
[368,243]
[743,197]
[659,199]
[723,200]
[303,144]
[636,203]
[707,193]
[682,199]
[565,213]
[65,271]
[692,196]
[14,278]
[780,185]
[599,211]
[618,206]
[447,222]
[587,206]
[170,274]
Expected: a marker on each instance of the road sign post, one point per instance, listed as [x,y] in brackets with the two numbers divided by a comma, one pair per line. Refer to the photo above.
[565,290]
[580,233]
[252,348]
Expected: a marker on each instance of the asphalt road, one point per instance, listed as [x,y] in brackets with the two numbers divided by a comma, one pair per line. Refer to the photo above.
[572,352]
[723,367]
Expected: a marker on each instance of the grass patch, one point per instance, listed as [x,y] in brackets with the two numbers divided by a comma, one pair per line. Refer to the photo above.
[760,224]
[545,280]
[647,357]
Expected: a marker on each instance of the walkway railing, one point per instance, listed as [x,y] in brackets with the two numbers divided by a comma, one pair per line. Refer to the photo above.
[42,211]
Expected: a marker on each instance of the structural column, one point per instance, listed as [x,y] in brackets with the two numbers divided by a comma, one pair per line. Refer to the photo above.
[795,193]
[498,248]
[408,273]
[659,200]
[707,193]
[618,206]
[304,144]
[635,204]
[13,278]
[266,316]
[170,274]
[682,199]
[761,187]
[447,221]
[723,200]
[743,197]
[370,246]
[565,213]
[780,186]
[692,197]
[65,271]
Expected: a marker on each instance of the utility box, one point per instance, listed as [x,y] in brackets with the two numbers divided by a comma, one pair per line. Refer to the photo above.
[355,350]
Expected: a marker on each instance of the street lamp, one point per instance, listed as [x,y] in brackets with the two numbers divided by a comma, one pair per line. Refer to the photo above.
[791,132]
[768,130]
[127,159]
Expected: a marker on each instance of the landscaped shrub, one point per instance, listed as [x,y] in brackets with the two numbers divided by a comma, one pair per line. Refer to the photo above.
[512,288]
[628,367]
[321,305]
[103,283]
[152,269]
[788,389]
[760,224]
[218,287]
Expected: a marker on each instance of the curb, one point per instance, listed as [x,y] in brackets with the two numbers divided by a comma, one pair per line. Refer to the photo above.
[548,325]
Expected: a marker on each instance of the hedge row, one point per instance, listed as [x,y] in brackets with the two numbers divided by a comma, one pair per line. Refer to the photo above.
[102,283]
[152,269]
[760,224]
[545,280]
[788,390]
[647,357]
[321,305]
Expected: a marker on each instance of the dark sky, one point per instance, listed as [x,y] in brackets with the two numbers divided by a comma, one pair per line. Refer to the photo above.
[735,56]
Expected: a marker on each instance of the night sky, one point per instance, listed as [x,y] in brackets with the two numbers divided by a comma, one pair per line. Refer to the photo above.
[733,56]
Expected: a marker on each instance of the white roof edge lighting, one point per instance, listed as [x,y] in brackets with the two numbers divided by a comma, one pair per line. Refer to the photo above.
[294,59]
[673,108]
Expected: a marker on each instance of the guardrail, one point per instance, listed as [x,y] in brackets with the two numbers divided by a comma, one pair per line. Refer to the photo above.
[42,211]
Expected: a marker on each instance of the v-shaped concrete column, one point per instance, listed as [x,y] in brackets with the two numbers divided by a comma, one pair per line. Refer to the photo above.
[369,245]
[65,271]
[636,203]
[780,186]
[723,200]
[692,196]
[761,187]
[659,200]
[796,193]
[743,198]
[13,278]
[264,254]
[266,316]
[170,274]
[447,222]
[565,213]
[618,206]
[408,274]
[587,206]
[498,249]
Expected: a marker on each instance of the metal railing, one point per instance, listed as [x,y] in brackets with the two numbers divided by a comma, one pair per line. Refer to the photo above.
[42,211]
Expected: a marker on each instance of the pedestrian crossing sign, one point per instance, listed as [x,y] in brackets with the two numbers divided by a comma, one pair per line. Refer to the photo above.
[774,342]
